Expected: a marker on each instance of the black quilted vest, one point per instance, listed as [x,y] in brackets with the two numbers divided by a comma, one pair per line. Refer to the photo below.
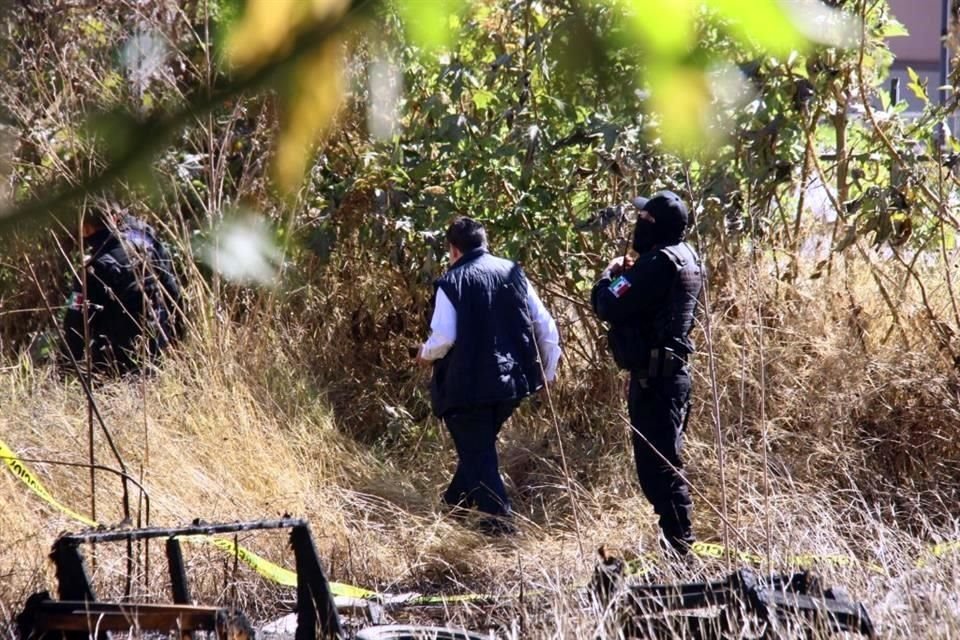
[494,357]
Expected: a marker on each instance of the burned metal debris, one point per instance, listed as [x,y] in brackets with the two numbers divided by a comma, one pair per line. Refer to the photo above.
[78,613]
[741,605]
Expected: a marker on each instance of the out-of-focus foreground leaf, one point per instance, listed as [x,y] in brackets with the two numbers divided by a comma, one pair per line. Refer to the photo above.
[313,89]
[243,249]
[662,27]
[677,78]
[764,22]
[267,28]
[311,101]
[681,98]
[428,22]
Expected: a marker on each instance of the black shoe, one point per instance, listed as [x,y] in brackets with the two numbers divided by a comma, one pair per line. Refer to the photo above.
[675,546]
[681,562]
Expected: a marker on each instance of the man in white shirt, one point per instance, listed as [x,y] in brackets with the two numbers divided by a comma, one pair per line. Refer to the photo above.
[492,343]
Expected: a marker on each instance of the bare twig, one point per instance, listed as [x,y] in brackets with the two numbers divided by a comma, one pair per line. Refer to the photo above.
[153,133]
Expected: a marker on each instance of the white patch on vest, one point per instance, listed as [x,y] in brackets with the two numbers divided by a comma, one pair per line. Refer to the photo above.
[619,287]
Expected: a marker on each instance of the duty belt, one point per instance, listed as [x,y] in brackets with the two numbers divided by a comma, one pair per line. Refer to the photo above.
[662,363]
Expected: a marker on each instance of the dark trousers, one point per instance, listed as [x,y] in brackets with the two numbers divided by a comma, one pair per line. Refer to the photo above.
[476,482]
[658,411]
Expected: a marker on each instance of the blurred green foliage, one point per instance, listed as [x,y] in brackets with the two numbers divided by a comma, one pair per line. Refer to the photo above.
[533,116]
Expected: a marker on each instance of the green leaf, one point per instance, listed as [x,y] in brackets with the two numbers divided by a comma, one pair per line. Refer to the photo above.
[432,24]
[894,29]
[885,100]
[666,27]
[581,202]
[917,87]
[483,98]
[762,21]
[681,98]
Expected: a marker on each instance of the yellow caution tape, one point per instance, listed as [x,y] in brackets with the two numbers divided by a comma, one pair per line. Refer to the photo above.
[809,559]
[707,549]
[713,550]
[19,469]
[442,600]
[275,572]
[264,567]
[351,591]
[261,565]
[641,565]
[285,577]
[288,578]
[944,548]
[940,551]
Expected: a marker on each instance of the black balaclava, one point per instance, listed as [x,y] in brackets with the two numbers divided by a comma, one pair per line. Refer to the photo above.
[671,217]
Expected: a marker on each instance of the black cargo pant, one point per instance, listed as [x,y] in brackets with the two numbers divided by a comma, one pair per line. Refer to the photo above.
[476,482]
[658,411]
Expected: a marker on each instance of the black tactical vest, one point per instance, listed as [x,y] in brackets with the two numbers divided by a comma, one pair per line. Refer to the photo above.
[149,260]
[674,320]
[494,357]
[132,293]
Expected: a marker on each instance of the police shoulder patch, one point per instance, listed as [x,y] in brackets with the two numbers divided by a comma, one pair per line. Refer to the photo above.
[619,287]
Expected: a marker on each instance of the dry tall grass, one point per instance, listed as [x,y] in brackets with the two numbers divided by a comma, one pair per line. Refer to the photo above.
[838,409]
[862,462]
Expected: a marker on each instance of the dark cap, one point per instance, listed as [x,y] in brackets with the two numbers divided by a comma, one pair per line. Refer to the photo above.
[666,205]
[670,213]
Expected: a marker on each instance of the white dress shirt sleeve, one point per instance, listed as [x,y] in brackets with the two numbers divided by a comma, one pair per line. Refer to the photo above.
[545,330]
[443,329]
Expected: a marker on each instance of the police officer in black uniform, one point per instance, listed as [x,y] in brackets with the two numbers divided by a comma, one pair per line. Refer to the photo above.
[649,304]
[131,294]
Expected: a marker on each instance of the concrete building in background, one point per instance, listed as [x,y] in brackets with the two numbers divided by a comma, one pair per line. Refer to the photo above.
[920,50]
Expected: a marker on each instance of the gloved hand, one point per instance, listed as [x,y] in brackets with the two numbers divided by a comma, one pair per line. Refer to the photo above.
[617,266]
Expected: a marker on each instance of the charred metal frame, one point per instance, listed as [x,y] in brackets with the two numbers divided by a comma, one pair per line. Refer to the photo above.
[779,600]
[77,611]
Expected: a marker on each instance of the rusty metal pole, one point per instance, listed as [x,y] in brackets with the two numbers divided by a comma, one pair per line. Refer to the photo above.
[88,362]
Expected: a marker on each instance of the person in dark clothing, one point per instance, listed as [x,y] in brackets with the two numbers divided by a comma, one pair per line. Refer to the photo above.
[130,294]
[492,343]
[650,304]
